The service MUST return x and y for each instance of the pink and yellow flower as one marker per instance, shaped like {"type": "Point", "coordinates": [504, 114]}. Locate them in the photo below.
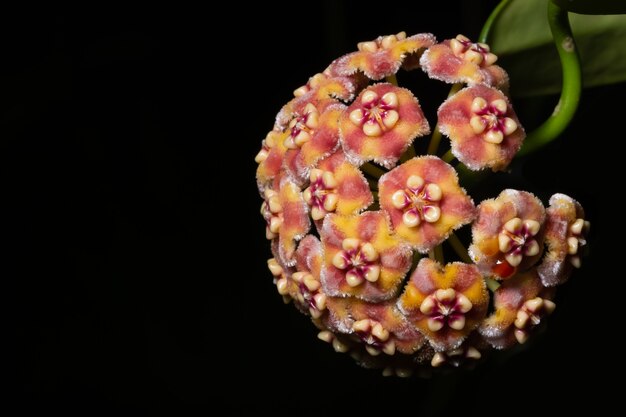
{"type": "Point", "coordinates": [306, 288]}
{"type": "Point", "coordinates": [310, 137]}
{"type": "Point", "coordinates": [566, 230]}
{"type": "Point", "coordinates": [384, 56]}
{"type": "Point", "coordinates": [270, 158]}
{"type": "Point", "coordinates": [483, 129]}
{"type": "Point", "coordinates": [520, 305]}
{"type": "Point", "coordinates": [507, 236]}
{"type": "Point", "coordinates": [286, 216]}
{"type": "Point", "coordinates": [380, 326]}
{"type": "Point", "coordinates": [336, 186]}
{"type": "Point", "coordinates": [459, 60]}
{"type": "Point", "coordinates": [381, 123]}
{"type": "Point", "coordinates": [361, 257]}
{"type": "Point", "coordinates": [424, 201]}
{"type": "Point", "coordinates": [324, 85]}
{"type": "Point", "coordinates": [445, 303]}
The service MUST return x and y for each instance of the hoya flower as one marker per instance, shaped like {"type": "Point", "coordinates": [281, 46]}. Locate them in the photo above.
{"type": "Point", "coordinates": [566, 230]}
{"type": "Point", "coordinates": [286, 217]}
{"type": "Point", "coordinates": [521, 304]}
{"type": "Point", "coordinates": [311, 136]}
{"type": "Point", "coordinates": [380, 326]}
{"type": "Point", "coordinates": [361, 257]}
{"type": "Point", "coordinates": [424, 201]}
{"type": "Point", "coordinates": [306, 289]}
{"type": "Point", "coordinates": [459, 60]}
{"type": "Point", "coordinates": [384, 56]}
{"type": "Point", "coordinates": [270, 158]}
{"type": "Point", "coordinates": [336, 186]}
{"type": "Point", "coordinates": [507, 235]}
{"type": "Point", "coordinates": [342, 156]}
{"type": "Point", "coordinates": [483, 129]}
{"type": "Point", "coordinates": [322, 90]}
{"type": "Point", "coordinates": [445, 303]}
{"type": "Point", "coordinates": [324, 85]}
{"type": "Point", "coordinates": [381, 123]}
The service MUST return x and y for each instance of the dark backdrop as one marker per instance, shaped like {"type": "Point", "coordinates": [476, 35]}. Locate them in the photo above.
{"type": "Point", "coordinates": [135, 258]}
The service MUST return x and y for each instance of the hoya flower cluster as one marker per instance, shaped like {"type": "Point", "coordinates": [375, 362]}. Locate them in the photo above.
{"type": "Point", "coordinates": [356, 218]}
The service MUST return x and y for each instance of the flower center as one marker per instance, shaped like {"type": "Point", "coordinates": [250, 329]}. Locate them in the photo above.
{"type": "Point", "coordinates": [272, 212]}
{"type": "Point", "coordinates": [302, 127]}
{"type": "Point", "coordinates": [516, 240]}
{"type": "Point", "coordinates": [477, 53]}
{"type": "Point", "coordinates": [419, 201]}
{"type": "Point", "coordinates": [376, 115]}
{"type": "Point", "coordinates": [446, 307]}
{"type": "Point", "coordinates": [576, 239]}
{"type": "Point", "coordinates": [384, 42]}
{"type": "Point", "coordinates": [375, 336]}
{"type": "Point", "coordinates": [321, 195]}
{"type": "Point", "coordinates": [309, 293]}
{"type": "Point", "coordinates": [489, 119]}
{"type": "Point", "coordinates": [359, 260]}
{"type": "Point", "coordinates": [530, 315]}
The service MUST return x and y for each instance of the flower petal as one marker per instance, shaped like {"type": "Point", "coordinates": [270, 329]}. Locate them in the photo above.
{"type": "Point", "coordinates": [270, 159]}
{"type": "Point", "coordinates": [462, 293]}
{"type": "Point", "coordinates": [500, 327]}
{"type": "Point", "coordinates": [490, 229]}
{"type": "Point", "coordinates": [381, 123]}
{"type": "Point", "coordinates": [481, 134]}
{"type": "Point", "coordinates": [336, 186]}
{"type": "Point", "coordinates": [442, 63]}
{"type": "Point", "coordinates": [565, 236]}
{"type": "Point", "coordinates": [454, 206]}
{"type": "Point", "coordinates": [345, 312]}
{"type": "Point", "coordinates": [295, 223]}
{"type": "Point", "coordinates": [348, 237]}
{"type": "Point", "coordinates": [383, 57]}
{"type": "Point", "coordinates": [324, 140]}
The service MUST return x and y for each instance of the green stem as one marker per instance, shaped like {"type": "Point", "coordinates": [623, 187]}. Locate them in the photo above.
{"type": "Point", "coordinates": [436, 137]}
{"type": "Point", "coordinates": [436, 254]}
{"type": "Point", "coordinates": [459, 248]}
{"type": "Point", "coordinates": [492, 284]}
{"type": "Point", "coordinates": [484, 33]}
{"type": "Point", "coordinates": [392, 79]}
{"type": "Point", "coordinates": [448, 156]}
{"type": "Point", "coordinates": [572, 83]}
{"type": "Point", "coordinates": [372, 170]}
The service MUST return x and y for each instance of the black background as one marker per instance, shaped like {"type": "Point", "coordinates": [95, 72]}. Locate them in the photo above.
{"type": "Point", "coordinates": [135, 255]}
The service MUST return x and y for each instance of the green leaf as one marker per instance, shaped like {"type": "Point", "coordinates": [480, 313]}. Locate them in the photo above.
{"type": "Point", "coordinates": [593, 6]}
{"type": "Point", "coordinates": [522, 40]}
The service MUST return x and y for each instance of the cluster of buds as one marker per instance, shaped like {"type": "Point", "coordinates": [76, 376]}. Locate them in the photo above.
{"type": "Point", "coordinates": [357, 211]}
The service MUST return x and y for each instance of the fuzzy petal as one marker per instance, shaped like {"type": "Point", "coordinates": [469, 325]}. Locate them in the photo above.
{"type": "Point", "coordinates": [324, 141]}
{"type": "Point", "coordinates": [345, 312]}
{"type": "Point", "coordinates": [487, 231]}
{"type": "Point", "coordinates": [455, 207]}
{"type": "Point", "coordinates": [565, 238]}
{"type": "Point", "coordinates": [499, 328]}
{"type": "Point", "coordinates": [392, 261]}
{"type": "Point", "coordinates": [428, 279]}
{"type": "Point", "coordinates": [270, 159]}
{"type": "Point", "coordinates": [295, 222]}
{"type": "Point", "coordinates": [325, 85]}
{"type": "Point", "coordinates": [336, 186]}
{"type": "Point", "coordinates": [460, 120]}
{"type": "Point", "coordinates": [384, 56]}
{"type": "Point", "coordinates": [441, 63]}
{"type": "Point", "coordinates": [375, 128]}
